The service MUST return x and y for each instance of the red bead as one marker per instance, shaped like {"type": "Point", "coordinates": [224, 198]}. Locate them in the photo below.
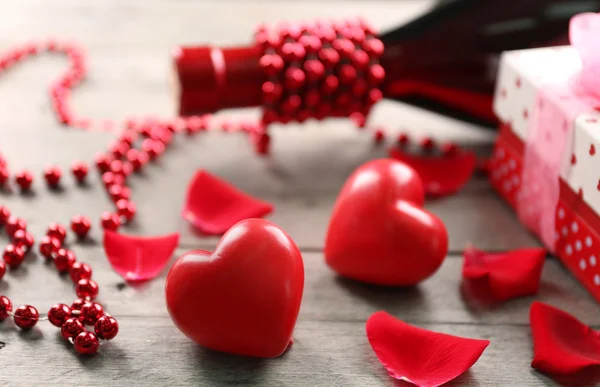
{"type": "Point", "coordinates": [52, 175]}
{"type": "Point", "coordinates": [311, 44]}
{"type": "Point", "coordinates": [14, 224]}
{"type": "Point", "coordinates": [271, 91]}
{"type": "Point", "coordinates": [118, 192]}
{"type": "Point", "coordinates": [329, 57]}
{"type": "Point", "coordinates": [427, 143]}
{"type": "Point", "coordinates": [103, 161]}
{"type": "Point", "coordinates": [110, 221]}
{"type": "Point", "coordinates": [80, 225]}
{"type": "Point", "coordinates": [149, 146]}
{"type": "Point", "coordinates": [86, 289]}
{"type": "Point", "coordinates": [271, 64]}
{"type": "Point", "coordinates": [49, 246]}
{"type": "Point", "coordinates": [314, 70]}
{"type": "Point", "coordinates": [116, 167]}
{"type": "Point", "coordinates": [79, 170]}
{"type": "Point", "coordinates": [23, 239]}
{"type": "Point", "coordinates": [58, 314]}
{"type": "Point", "coordinates": [360, 59]}
{"type": "Point", "coordinates": [379, 136]}
{"type": "Point", "coordinates": [2, 269]}
{"type": "Point", "coordinates": [449, 149]}
{"type": "Point", "coordinates": [109, 179]}
{"type": "Point", "coordinates": [26, 316]}
{"type": "Point", "coordinates": [403, 139]}
{"type": "Point", "coordinates": [294, 77]}
{"type": "Point", "coordinates": [71, 328]}
{"type": "Point", "coordinates": [90, 313]}
{"type": "Point", "coordinates": [119, 149]}
{"type": "Point", "coordinates": [330, 84]}
{"type": "Point", "coordinates": [312, 98]}
{"type": "Point", "coordinates": [4, 175]}
{"type": "Point", "coordinates": [13, 256]}
{"type": "Point", "coordinates": [5, 307]}
{"type": "Point", "coordinates": [80, 271]}
{"type": "Point", "coordinates": [374, 96]}
{"type": "Point", "coordinates": [347, 74]}
{"type": "Point", "coordinates": [106, 328]}
{"type": "Point", "coordinates": [292, 52]}
{"type": "Point", "coordinates": [126, 209]}
{"type": "Point", "coordinates": [57, 231]}
{"type": "Point", "coordinates": [64, 260]}
{"type": "Point", "coordinates": [4, 215]}
{"type": "Point", "coordinates": [127, 168]}
{"type": "Point", "coordinates": [78, 303]}
{"type": "Point", "coordinates": [137, 159]}
{"type": "Point", "coordinates": [24, 180]}
{"type": "Point", "coordinates": [376, 74]}
{"type": "Point", "coordinates": [373, 47]}
{"type": "Point", "coordinates": [86, 343]}
{"type": "Point", "coordinates": [344, 47]}
{"type": "Point", "coordinates": [128, 138]}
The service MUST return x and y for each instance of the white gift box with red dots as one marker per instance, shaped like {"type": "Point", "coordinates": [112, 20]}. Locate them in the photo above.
{"type": "Point", "coordinates": [521, 76]}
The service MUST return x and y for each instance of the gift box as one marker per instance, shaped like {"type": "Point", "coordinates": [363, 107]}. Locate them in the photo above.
{"type": "Point", "coordinates": [546, 160]}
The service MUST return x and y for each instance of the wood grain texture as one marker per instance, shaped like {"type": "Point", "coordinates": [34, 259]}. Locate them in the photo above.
{"type": "Point", "coordinates": [129, 44]}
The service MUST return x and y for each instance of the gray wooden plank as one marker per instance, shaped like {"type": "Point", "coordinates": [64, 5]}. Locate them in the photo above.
{"type": "Point", "coordinates": [327, 297]}
{"type": "Point", "coordinates": [150, 351]}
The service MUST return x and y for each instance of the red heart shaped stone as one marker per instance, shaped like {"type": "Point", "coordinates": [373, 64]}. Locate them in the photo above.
{"type": "Point", "coordinates": [379, 233]}
{"type": "Point", "coordinates": [243, 298]}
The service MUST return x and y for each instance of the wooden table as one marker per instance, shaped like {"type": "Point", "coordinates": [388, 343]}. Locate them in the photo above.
{"type": "Point", "coordinates": [129, 43]}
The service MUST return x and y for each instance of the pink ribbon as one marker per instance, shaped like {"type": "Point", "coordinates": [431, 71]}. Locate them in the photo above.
{"type": "Point", "coordinates": [550, 131]}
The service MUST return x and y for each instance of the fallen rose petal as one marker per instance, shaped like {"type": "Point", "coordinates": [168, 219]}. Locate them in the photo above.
{"type": "Point", "coordinates": [213, 205]}
{"type": "Point", "coordinates": [562, 345]}
{"type": "Point", "coordinates": [441, 175]}
{"type": "Point", "coordinates": [421, 357]}
{"type": "Point", "coordinates": [503, 276]}
{"type": "Point", "coordinates": [139, 258]}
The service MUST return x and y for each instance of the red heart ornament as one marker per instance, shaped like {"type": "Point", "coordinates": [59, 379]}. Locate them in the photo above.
{"type": "Point", "coordinates": [379, 233]}
{"type": "Point", "coordinates": [243, 298]}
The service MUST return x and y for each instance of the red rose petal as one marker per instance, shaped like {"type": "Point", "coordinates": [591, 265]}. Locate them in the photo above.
{"type": "Point", "coordinates": [503, 276]}
{"type": "Point", "coordinates": [562, 345]}
{"type": "Point", "coordinates": [213, 205]}
{"type": "Point", "coordinates": [441, 175]}
{"type": "Point", "coordinates": [419, 356]}
{"type": "Point", "coordinates": [139, 258]}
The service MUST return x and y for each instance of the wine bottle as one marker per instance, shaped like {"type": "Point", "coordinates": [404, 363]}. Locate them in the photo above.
{"type": "Point", "coordinates": [444, 61]}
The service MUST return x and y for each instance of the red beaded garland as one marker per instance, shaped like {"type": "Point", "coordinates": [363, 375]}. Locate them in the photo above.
{"type": "Point", "coordinates": [58, 314]}
{"type": "Point", "coordinates": [26, 316]}
{"type": "Point", "coordinates": [86, 343]}
{"type": "Point", "coordinates": [106, 327]}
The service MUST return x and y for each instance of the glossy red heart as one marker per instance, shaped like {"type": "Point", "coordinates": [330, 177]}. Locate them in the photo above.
{"type": "Point", "coordinates": [243, 298]}
{"type": "Point", "coordinates": [379, 233]}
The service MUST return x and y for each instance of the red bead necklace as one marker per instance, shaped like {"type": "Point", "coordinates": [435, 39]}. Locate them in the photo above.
{"type": "Point", "coordinates": [138, 143]}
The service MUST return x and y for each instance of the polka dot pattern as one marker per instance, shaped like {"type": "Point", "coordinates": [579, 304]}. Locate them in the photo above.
{"type": "Point", "coordinates": [576, 243]}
